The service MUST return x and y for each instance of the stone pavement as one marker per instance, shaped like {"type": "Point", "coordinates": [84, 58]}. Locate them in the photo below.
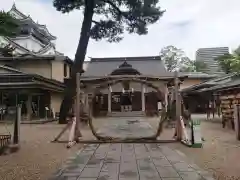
{"type": "Point", "coordinates": [132, 127]}
{"type": "Point", "coordinates": [129, 162]}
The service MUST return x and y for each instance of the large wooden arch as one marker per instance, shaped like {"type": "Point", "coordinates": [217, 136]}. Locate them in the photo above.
{"type": "Point", "coordinates": [105, 84]}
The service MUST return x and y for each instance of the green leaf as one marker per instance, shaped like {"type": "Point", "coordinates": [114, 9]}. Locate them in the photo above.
{"type": "Point", "coordinates": [113, 17]}
{"type": "Point", "coordinates": [8, 25]}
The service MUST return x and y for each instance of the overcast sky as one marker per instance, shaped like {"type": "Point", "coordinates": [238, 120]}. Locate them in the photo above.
{"type": "Point", "coordinates": [187, 24]}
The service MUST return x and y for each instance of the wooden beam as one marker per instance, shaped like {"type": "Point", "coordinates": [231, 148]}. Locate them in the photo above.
{"type": "Point", "coordinates": [178, 106]}
{"type": "Point", "coordinates": [77, 99]}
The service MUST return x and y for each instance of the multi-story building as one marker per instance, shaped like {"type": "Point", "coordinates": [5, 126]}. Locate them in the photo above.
{"type": "Point", "coordinates": [208, 56]}
{"type": "Point", "coordinates": [34, 74]}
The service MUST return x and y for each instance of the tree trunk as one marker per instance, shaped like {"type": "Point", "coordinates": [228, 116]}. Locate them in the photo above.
{"type": "Point", "coordinates": [70, 90]}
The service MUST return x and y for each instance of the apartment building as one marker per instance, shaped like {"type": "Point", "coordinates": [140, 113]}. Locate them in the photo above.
{"type": "Point", "coordinates": [208, 56]}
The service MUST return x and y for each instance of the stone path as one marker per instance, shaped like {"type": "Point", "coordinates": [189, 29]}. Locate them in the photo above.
{"type": "Point", "coordinates": [129, 162]}
{"type": "Point", "coordinates": [133, 127]}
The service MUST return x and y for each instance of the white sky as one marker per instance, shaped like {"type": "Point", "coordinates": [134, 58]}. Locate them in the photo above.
{"type": "Point", "coordinates": [187, 24]}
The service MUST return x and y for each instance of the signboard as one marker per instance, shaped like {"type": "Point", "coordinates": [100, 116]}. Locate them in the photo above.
{"type": "Point", "coordinates": [197, 136]}
{"type": "Point", "coordinates": [236, 120]}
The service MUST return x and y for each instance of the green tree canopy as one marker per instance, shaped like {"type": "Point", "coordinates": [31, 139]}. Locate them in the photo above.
{"type": "Point", "coordinates": [8, 25]}
{"type": "Point", "coordinates": [105, 19]}
{"type": "Point", "coordinates": [230, 63]}
{"type": "Point", "coordinates": [176, 60]}
{"type": "Point", "coordinates": [172, 57]}
{"type": "Point", "coordinates": [192, 66]}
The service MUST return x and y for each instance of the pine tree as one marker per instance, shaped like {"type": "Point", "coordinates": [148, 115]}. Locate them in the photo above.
{"type": "Point", "coordinates": [8, 28]}
{"type": "Point", "coordinates": [105, 19]}
{"type": "Point", "coordinates": [8, 25]}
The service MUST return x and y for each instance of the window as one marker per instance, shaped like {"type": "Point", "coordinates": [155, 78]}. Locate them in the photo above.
{"type": "Point", "coordinates": [65, 70]}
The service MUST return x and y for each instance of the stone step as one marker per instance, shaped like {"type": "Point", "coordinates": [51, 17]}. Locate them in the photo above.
{"type": "Point", "coordinates": [126, 114]}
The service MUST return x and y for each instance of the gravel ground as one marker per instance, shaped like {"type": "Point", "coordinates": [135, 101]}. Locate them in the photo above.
{"type": "Point", "coordinates": [220, 153]}
{"type": "Point", "coordinates": [38, 158]}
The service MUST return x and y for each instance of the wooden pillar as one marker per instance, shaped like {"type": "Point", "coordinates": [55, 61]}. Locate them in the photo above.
{"type": "Point", "coordinates": [109, 100]}
{"type": "Point", "coordinates": [77, 104]}
{"type": "Point", "coordinates": [166, 96]}
{"type": "Point", "coordinates": [29, 107]}
{"type": "Point", "coordinates": [38, 104]}
{"type": "Point", "coordinates": [143, 97]}
{"type": "Point", "coordinates": [16, 131]}
{"type": "Point", "coordinates": [87, 103]}
{"type": "Point", "coordinates": [178, 106]}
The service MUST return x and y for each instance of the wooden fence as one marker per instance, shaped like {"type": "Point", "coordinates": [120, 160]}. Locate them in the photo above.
{"type": "Point", "coordinates": [4, 141]}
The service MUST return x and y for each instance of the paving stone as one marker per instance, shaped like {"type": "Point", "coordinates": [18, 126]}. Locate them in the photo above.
{"type": "Point", "coordinates": [161, 162]}
{"type": "Point", "coordinates": [67, 178]}
{"type": "Point", "coordinates": [128, 161]}
{"type": "Point", "coordinates": [147, 175]}
{"type": "Point", "coordinates": [71, 174]}
{"type": "Point", "coordinates": [94, 162]}
{"type": "Point", "coordinates": [167, 172]}
{"type": "Point", "coordinates": [175, 159]}
{"type": "Point", "coordinates": [132, 178]}
{"type": "Point", "coordinates": [129, 174]}
{"type": "Point", "coordinates": [107, 176]}
{"type": "Point", "coordinates": [100, 156]}
{"type": "Point", "coordinates": [131, 166]}
{"type": "Point", "coordinates": [142, 156]}
{"type": "Point", "coordinates": [90, 172]}
{"type": "Point", "coordinates": [144, 165]}
{"type": "Point", "coordinates": [182, 167]}
{"type": "Point", "coordinates": [110, 168]}
{"type": "Point", "coordinates": [191, 176]}
{"type": "Point", "coordinates": [157, 155]}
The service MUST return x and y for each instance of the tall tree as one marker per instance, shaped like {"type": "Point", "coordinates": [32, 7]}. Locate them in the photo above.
{"type": "Point", "coordinates": [224, 62]}
{"type": "Point", "coordinates": [9, 28]}
{"type": "Point", "coordinates": [192, 66]}
{"type": "Point", "coordinates": [105, 19]}
{"type": "Point", "coordinates": [8, 24]}
{"type": "Point", "coordinates": [172, 57]}
{"type": "Point", "coordinates": [230, 63]}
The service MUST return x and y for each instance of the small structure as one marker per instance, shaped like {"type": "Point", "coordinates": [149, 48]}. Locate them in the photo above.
{"type": "Point", "coordinates": [219, 94]}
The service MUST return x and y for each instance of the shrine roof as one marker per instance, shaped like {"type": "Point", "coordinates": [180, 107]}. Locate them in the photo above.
{"type": "Point", "coordinates": [26, 57]}
{"type": "Point", "coordinates": [149, 65]}
{"type": "Point", "coordinates": [210, 85]}
{"type": "Point", "coordinates": [233, 83]}
{"type": "Point", "coordinates": [18, 80]}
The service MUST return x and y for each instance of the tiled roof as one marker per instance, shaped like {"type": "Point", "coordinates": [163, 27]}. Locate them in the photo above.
{"type": "Point", "coordinates": [151, 65]}
{"type": "Point", "coordinates": [233, 83]}
{"type": "Point", "coordinates": [212, 84]}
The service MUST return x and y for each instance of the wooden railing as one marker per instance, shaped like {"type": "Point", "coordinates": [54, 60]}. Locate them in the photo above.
{"type": "Point", "coordinates": [4, 141]}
